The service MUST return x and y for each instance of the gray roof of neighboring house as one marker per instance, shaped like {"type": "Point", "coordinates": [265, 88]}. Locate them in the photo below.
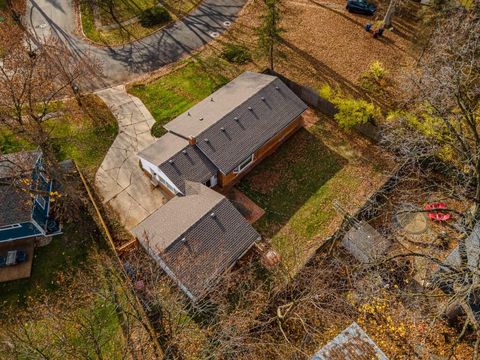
{"type": "Point", "coordinates": [16, 205]}
{"type": "Point", "coordinates": [213, 108]}
{"type": "Point", "coordinates": [18, 164]}
{"type": "Point", "coordinates": [351, 344]}
{"type": "Point", "coordinates": [198, 236]}
{"type": "Point", "coordinates": [15, 202]}
{"type": "Point", "coordinates": [472, 250]}
{"type": "Point", "coordinates": [243, 116]}
{"type": "Point", "coordinates": [365, 243]}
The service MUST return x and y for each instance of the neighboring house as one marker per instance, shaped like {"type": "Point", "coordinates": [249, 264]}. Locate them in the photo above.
{"type": "Point", "coordinates": [25, 198]}
{"type": "Point", "coordinates": [199, 234]}
{"type": "Point", "coordinates": [466, 255]}
{"type": "Point", "coordinates": [353, 343]}
{"type": "Point", "coordinates": [196, 237]}
{"type": "Point", "coordinates": [218, 140]}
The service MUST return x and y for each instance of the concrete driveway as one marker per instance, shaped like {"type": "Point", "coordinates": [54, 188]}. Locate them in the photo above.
{"type": "Point", "coordinates": [124, 63]}
{"type": "Point", "coordinates": [119, 181]}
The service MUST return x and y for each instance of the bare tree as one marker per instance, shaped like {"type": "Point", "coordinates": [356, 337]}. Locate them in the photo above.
{"type": "Point", "coordinates": [36, 76]}
{"type": "Point", "coordinates": [445, 102]}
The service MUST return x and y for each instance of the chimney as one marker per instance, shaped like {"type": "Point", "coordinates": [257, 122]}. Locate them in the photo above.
{"type": "Point", "coordinates": [192, 140]}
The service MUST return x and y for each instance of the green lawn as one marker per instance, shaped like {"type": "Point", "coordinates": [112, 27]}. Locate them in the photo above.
{"type": "Point", "coordinates": [71, 273]}
{"type": "Point", "coordinates": [66, 252]}
{"type": "Point", "coordinates": [297, 185]}
{"type": "Point", "coordinates": [119, 10]}
{"type": "Point", "coordinates": [85, 138]}
{"type": "Point", "coordinates": [175, 93]}
{"type": "Point", "coordinates": [114, 12]}
{"type": "Point", "coordinates": [68, 273]}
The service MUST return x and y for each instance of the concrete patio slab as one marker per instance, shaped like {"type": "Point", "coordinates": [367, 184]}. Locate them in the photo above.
{"type": "Point", "coordinates": [129, 211]}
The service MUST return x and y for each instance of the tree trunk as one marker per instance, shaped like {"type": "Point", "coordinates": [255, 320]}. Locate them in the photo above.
{"type": "Point", "coordinates": [476, 216]}
{"type": "Point", "coordinates": [270, 55]}
{"type": "Point", "coordinates": [387, 20]}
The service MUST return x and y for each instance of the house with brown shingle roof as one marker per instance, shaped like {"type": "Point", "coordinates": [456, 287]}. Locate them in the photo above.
{"type": "Point", "coordinates": [196, 237]}
{"type": "Point", "coordinates": [219, 139]}
{"type": "Point", "coordinates": [199, 234]}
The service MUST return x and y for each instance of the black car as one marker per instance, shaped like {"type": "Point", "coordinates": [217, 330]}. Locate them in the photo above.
{"type": "Point", "coordinates": [361, 7]}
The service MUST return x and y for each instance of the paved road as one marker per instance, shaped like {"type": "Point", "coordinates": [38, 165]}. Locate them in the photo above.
{"type": "Point", "coordinates": [119, 181]}
{"type": "Point", "coordinates": [124, 63]}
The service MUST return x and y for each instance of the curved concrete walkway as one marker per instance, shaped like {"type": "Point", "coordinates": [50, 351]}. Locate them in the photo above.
{"type": "Point", "coordinates": [119, 181]}
{"type": "Point", "coordinates": [124, 63]}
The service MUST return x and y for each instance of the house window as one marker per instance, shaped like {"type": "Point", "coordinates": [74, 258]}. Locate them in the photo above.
{"type": "Point", "coordinates": [41, 201]}
{"type": "Point", "coordinates": [8, 227]}
{"type": "Point", "coordinates": [170, 187]}
{"type": "Point", "coordinates": [244, 164]}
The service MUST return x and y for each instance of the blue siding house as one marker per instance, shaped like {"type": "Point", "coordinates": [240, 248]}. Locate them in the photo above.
{"type": "Point", "coordinates": [25, 190]}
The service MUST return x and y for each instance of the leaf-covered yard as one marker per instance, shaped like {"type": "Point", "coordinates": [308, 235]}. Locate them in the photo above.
{"type": "Point", "coordinates": [297, 185]}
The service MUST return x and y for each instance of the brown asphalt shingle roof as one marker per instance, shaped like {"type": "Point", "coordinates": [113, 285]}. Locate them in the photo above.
{"type": "Point", "coordinates": [163, 149]}
{"type": "Point", "coordinates": [213, 108]}
{"type": "Point", "coordinates": [210, 247]}
{"type": "Point", "coordinates": [170, 221]}
{"type": "Point", "coordinates": [238, 119]}
{"type": "Point", "coordinates": [188, 165]}
{"type": "Point", "coordinates": [196, 245]}
{"type": "Point", "coordinates": [179, 160]}
{"type": "Point", "coordinates": [251, 125]}
{"type": "Point", "coordinates": [18, 164]}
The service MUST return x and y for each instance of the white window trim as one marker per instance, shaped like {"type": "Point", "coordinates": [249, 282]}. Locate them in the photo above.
{"type": "Point", "coordinates": [243, 165]}
{"type": "Point", "coordinates": [9, 227]}
{"type": "Point", "coordinates": [44, 178]}
{"type": "Point", "coordinates": [39, 202]}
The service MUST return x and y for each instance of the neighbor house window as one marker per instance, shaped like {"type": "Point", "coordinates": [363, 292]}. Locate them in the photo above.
{"type": "Point", "coordinates": [41, 201]}
{"type": "Point", "coordinates": [8, 227]}
{"type": "Point", "coordinates": [244, 164]}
